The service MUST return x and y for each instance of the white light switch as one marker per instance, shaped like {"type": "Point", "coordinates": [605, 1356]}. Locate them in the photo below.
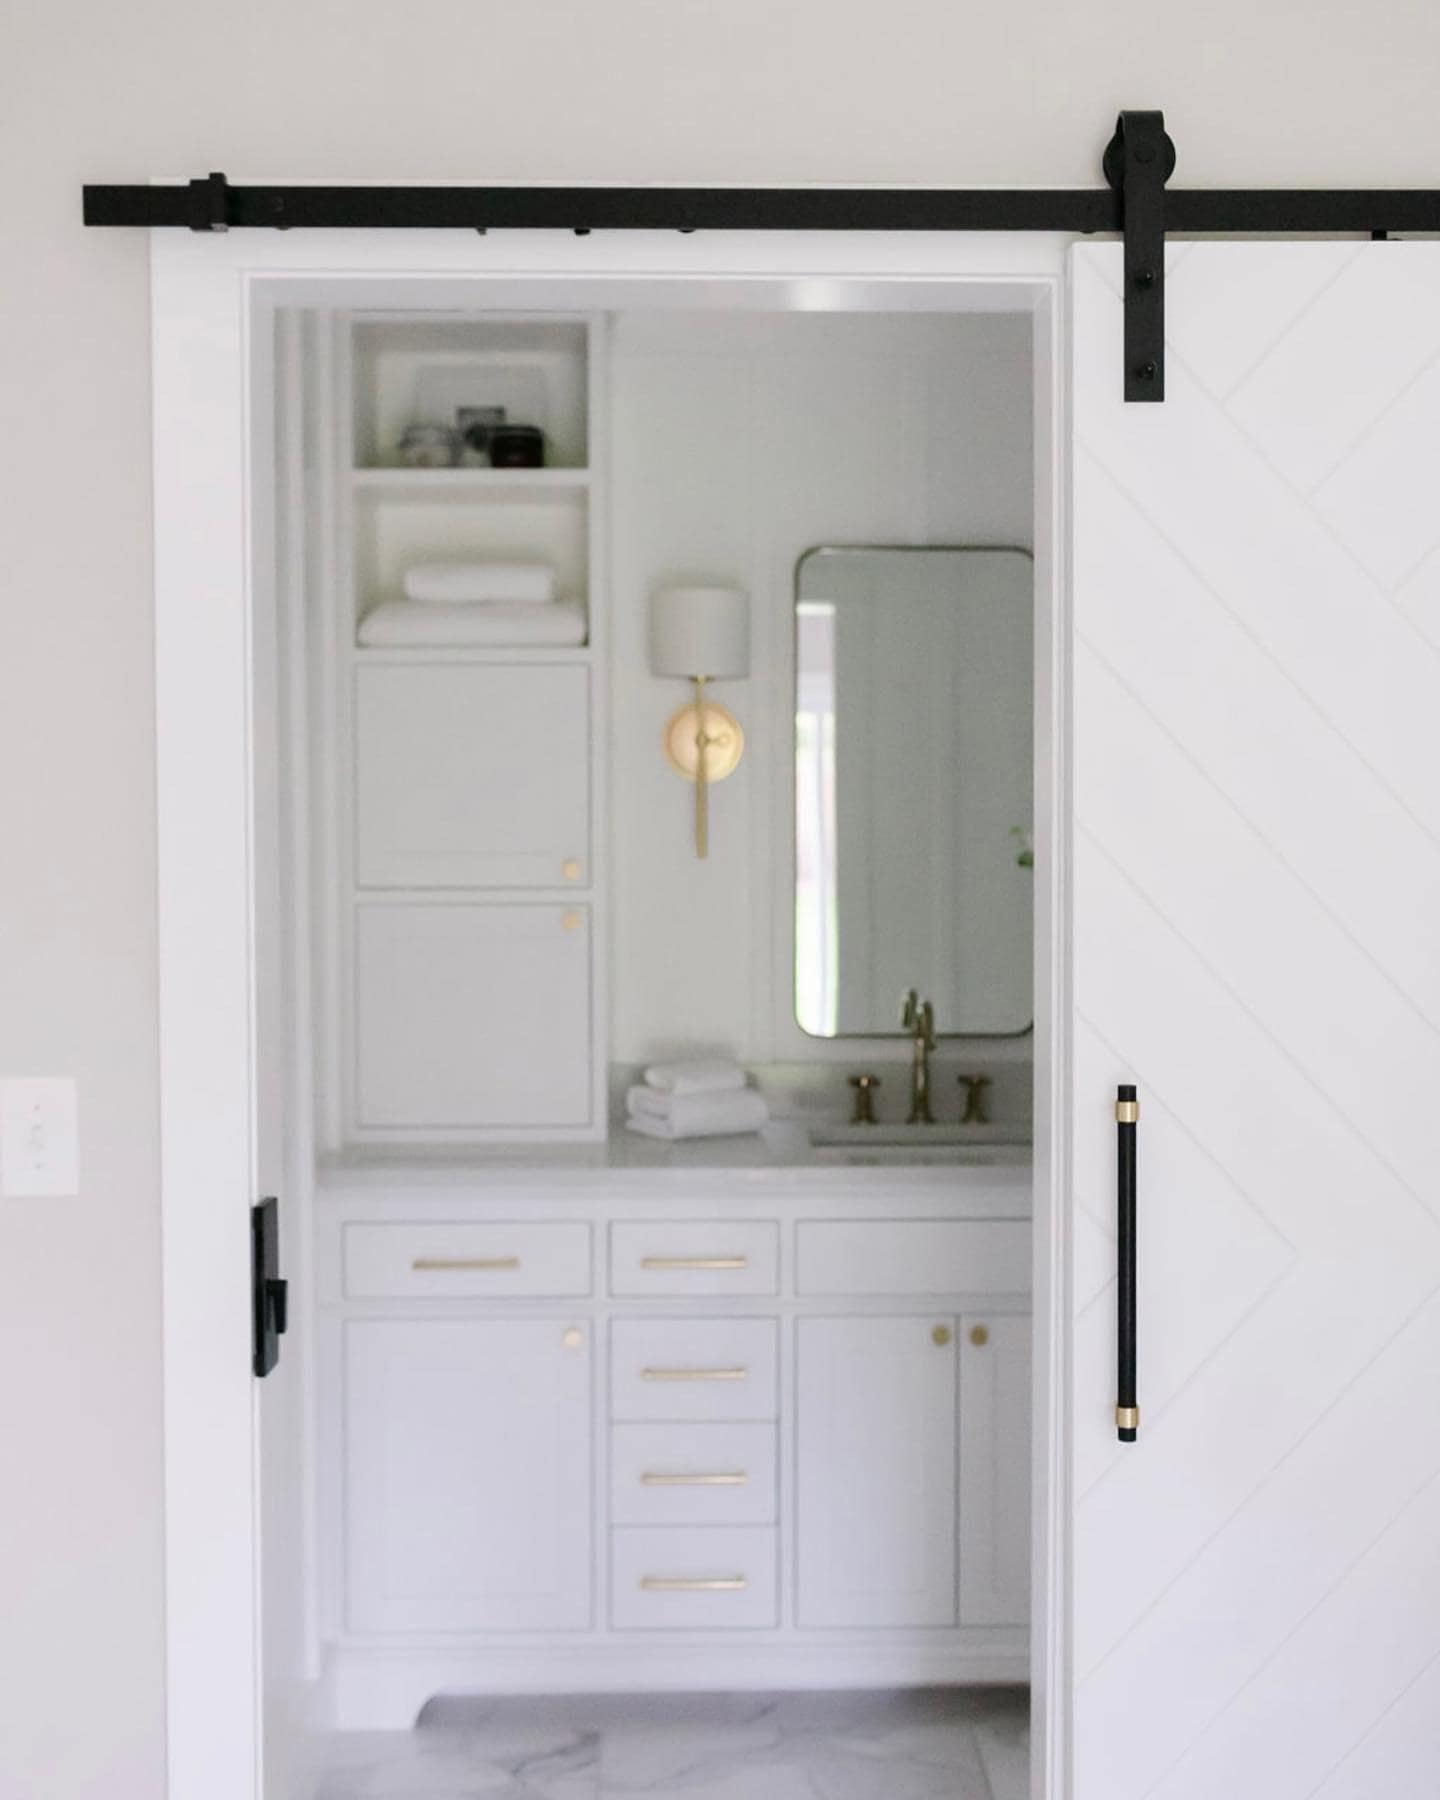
{"type": "Point", "coordinates": [39, 1137]}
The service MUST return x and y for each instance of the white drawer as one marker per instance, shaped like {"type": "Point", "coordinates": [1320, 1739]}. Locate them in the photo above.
{"type": "Point", "coordinates": [712, 1578]}
{"type": "Point", "coordinates": [692, 1475]}
{"type": "Point", "coordinates": [913, 1256]}
{"type": "Point", "coordinates": [696, 1369]}
{"type": "Point", "coordinates": [466, 1261]}
{"type": "Point", "coordinates": [706, 1259]}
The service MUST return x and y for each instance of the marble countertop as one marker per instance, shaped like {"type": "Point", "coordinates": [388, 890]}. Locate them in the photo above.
{"type": "Point", "coordinates": [779, 1157]}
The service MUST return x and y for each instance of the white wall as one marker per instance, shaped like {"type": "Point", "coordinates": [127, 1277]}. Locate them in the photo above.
{"type": "Point", "coordinates": [740, 442]}
{"type": "Point", "coordinates": [1306, 91]}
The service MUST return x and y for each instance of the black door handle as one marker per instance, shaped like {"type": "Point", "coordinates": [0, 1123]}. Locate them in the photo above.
{"type": "Point", "coordinates": [269, 1295]}
{"type": "Point", "coordinates": [1127, 1409]}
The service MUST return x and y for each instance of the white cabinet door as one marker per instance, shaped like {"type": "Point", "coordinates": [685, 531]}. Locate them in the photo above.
{"type": "Point", "coordinates": [995, 1470]}
{"type": "Point", "coordinates": [472, 1017]}
{"type": "Point", "coordinates": [467, 1475]}
{"type": "Point", "coordinates": [1256, 944]}
{"type": "Point", "coordinates": [471, 776]}
{"type": "Point", "coordinates": [875, 1418]}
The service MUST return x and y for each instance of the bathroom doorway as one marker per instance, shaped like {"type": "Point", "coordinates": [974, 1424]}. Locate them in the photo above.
{"type": "Point", "coordinates": [333, 1645]}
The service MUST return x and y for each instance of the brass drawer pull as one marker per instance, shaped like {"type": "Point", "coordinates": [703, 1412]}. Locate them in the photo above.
{"type": "Point", "coordinates": [729, 1478]}
{"type": "Point", "coordinates": [694, 1374]}
{"type": "Point", "coordinates": [695, 1262]}
{"type": "Point", "coordinates": [700, 1584]}
{"type": "Point", "coordinates": [430, 1264]}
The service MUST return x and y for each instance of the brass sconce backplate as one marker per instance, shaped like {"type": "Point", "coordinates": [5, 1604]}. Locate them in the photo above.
{"type": "Point", "coordinates": [725, 741]}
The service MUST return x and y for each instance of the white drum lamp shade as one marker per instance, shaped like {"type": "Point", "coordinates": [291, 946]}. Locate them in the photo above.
{"type": "Point", "coordinates": [700, 632]}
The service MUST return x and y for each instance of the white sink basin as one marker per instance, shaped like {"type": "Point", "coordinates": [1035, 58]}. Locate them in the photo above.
{"type": "Point", "coordinates": [949, 1156]}
{"type": "Point", "coordinates": [975, 1146]}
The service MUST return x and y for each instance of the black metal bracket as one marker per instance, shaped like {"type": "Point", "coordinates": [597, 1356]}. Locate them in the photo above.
{"type": "Point", "coordinates": [269, 1295]}
{"type": "Point", "coordinates": [1139, 160]}
{"type": "Point", "coordinates": [210, 204]}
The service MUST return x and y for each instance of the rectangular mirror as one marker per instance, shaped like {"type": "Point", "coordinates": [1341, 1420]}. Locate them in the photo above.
{"type": "Point", "coordinates": [913, 789]}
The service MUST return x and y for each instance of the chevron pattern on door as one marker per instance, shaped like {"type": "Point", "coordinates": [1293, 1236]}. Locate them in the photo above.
{"type": "Point", "coordinates": [1257, 945]}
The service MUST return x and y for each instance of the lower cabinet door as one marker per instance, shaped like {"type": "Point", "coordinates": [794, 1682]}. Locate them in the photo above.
{"type": "Point", "coordinates": [994, 1470]}
{"type": "Point", "coordinates": [467, 1475]}
{"type": "Point", "coordinates": [876, 1415]}
{"type": "Point", "coordinates": [472, 1017]}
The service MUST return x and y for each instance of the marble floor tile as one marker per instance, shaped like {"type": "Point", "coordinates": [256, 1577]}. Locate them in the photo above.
{"type": "Point", "coordinates": [503, 1762]}
{"type": "Point", "coordinates": [932, 1744]}
{"type": "Point", "coordinates": [1004, 1740]}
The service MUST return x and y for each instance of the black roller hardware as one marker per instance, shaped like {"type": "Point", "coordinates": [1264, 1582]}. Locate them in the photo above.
{"type": "Point", "coordinates": [1139, 161]}
{"type": "Point", "coordinates": [1135, 201]}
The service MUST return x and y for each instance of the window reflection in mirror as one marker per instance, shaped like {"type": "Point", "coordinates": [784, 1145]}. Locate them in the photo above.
{"type": "Point", "coordinates": [913, 789]}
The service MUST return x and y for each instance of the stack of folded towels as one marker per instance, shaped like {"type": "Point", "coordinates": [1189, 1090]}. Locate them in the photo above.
{"type": "Point", "coordinates": [502, 604]}
{"type": "Point", "coordinates": [695, 1100]}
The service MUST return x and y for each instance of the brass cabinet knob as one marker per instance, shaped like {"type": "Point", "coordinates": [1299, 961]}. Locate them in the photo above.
{"type": "Point", "coordinates": [941, 1336]}
{"type": "Point", "coordinates": [570, 868]}
{"type": "Point", "coordinates": [979, 1336]}
{"type": "Point", "coordinates": [976, 1108]}
{"type": "Point", "coordinates": [572, 921]}
{"type": "Point", "coordinates": [573, 1338]}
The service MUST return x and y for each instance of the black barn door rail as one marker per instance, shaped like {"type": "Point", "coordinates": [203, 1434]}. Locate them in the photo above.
{"type": "Point", "coordinates": [1136, 202]}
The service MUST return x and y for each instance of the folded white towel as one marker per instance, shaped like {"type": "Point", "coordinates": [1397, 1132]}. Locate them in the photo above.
{"type": "Point", "coordinates": [673, 1116]}
{"type": "Point", "coordinates": [502, 624]}
{"type": "Point", "coordinates": [703, 1075]}
{"type": "Point", "coordinates": [474, 581]}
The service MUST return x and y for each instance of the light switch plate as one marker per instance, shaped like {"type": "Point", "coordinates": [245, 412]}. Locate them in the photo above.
{"type": "Point", "coordinates": [39, 1137]}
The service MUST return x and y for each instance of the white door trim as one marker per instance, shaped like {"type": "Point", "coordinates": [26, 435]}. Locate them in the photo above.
{"type": "Point", "coordinates": [211, 300]}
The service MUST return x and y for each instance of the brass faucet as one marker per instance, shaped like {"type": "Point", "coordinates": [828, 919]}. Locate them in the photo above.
{"type": "Point", "coordinates": [917, 1016]}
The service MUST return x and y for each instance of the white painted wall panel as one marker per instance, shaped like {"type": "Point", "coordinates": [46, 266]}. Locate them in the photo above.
{"type": "Point", "coordinates": [741, 442]}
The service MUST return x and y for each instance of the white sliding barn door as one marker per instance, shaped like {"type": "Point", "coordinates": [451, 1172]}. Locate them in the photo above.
{"type": "Point", "coordinates": [1257, 946]}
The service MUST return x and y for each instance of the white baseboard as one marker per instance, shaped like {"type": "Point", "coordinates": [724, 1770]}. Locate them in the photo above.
{"type": "Point", "coordinates": [368, 1689]}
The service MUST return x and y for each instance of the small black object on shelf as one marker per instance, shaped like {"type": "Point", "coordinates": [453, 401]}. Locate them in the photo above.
{"type": "Point", "coordinates": [517, 447]}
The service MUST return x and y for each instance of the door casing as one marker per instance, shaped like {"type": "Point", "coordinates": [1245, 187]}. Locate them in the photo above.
{"type": "Point", "coordinates": [215, 306]}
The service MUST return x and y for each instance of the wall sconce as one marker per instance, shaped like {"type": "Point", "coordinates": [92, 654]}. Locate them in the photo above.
{"type": "Point", "coordinates": [701, 634]}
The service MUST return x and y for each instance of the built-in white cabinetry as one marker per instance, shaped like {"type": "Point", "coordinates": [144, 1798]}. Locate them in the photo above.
{"type": "Point", "coordinates": [472, 776]}
{"type": "Point", "coordinates": [995, 1456]}
{"type": "Point", "coordinates": [695, 1257]}
{"type": "Point", "coordinates": [708, 1579]}
{"type": "Point", "coordinates": [695, 1367]}
{"type": "Point", "coordinates": [467, 1474]}
{"type": "Point", "coordinates": [762, 1486]}
{"type": "Point", "coordinates": [877, 1410]}
{"type": "Point", "coordinates": [439, 986]}
{"type": "Point", "coordinates": [460, 788]}
{"type": "Point", "coordinates": [686, 1473]}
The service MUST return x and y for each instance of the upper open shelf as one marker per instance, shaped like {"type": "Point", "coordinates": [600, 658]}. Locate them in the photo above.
{"type": "Point", "coordinates": [453, 370]}
{"type": "Point", "coordinates": [400, 484]}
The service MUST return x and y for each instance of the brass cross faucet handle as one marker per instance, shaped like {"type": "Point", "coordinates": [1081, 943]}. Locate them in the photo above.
{"type": "Point", "coordinates": [976, 1112]}
{"type": "Point", "coordinates": [917, 1016]}
{"type": "Point", "coordinates": [864, 1086]}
